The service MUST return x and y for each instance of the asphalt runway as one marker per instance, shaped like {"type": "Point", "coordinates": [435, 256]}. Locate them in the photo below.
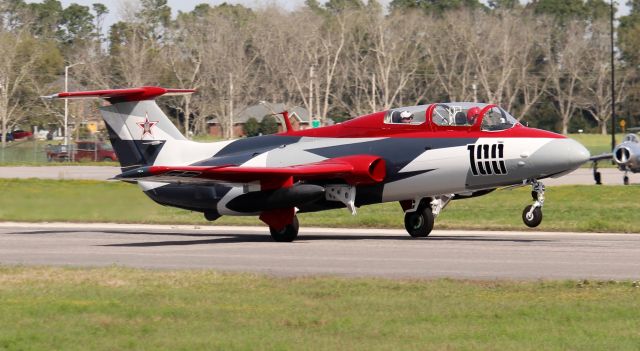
{"type": "Point", "coordinates": [342, 252]}
{"type": "Point", "coordinates": [582, 176]}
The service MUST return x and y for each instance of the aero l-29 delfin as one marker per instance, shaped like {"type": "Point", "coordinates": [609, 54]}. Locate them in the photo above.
{"type": "Point", "coordinates": [626, 156]}
{"type": "Point", "coordinates": [421, 156]}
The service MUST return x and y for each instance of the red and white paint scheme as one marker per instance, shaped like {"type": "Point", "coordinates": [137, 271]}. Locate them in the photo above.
{"type": "Point", "coordinates": [420, 156]}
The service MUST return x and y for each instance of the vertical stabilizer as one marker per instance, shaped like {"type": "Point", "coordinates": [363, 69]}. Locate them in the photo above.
{"type": "Point", "coordinates": [137, 127]}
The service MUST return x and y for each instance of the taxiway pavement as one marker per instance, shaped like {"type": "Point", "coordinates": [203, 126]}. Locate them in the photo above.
{"type": "Point", "coordinates": [582, 176]}
{"type": "Point", "coordinates": [321, 251]}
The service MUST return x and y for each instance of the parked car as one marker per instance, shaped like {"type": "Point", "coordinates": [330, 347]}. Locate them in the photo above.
{"type": "Point", "coordinates": [88, 150]}
{"type": "Point", "coordinates": [21, 134]}
{"type": "Point", "coordinates": [9, 137]}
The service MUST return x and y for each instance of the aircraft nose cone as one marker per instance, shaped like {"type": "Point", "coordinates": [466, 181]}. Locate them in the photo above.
{"type": "Point", "coordinates": [558, 157]}
{"type": "Point", "coordinates": [576, 153]}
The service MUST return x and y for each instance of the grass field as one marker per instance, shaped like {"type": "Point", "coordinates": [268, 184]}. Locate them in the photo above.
{"type": "Point", "coordinates": [596, 143]}
{"type": "Point", "coordinates": [567, 208]}
{"type": "Point", "coordinates": [118, 309]}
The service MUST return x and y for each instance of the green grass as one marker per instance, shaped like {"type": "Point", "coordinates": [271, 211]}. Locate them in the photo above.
{"type": "Point", "coordinates": [117, 309]}
{"type": "Point", "coordinates": [567, 208]}
{"type": "Point", "coordinates": [596, 143]}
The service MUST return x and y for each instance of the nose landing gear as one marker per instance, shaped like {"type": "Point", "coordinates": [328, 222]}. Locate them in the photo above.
{"type": "Point", "coordinates": [532, 214]}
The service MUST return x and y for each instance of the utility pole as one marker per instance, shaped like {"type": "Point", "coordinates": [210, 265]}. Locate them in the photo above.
{"type": "Point", "coordinates": [613, 82]}
{"type": "Point", "coordinates": [319, 111]}
{"type": "Point", "coordinates": [311, 75]}
{"type": "Point", "coordinates": [230, 106]}
{"type": "Point", "coordinates": [66, 102]}
{"type": "Point", "coordinates": [373, 92]}
{"type": "Point", "coordinates": [474, 86]}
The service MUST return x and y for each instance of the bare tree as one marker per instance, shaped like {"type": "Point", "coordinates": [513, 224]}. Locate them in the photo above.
{"type": "Point", "coordinates": [184, 56]}
{"type": "Point", "coordinates": [224, 60]}
{"type": "Point", "coordinates": [450, 62]}
{"type": "Point", "coordinates": [395, 59]}
{"type": "Point", "coordinates": [566, 65]}
{"type": "Point", "coordinates": [20, 54]}
{"type": "Point", "coordinates": [596, 79]}
{"type": "Point", "coordinates": [504, 58]}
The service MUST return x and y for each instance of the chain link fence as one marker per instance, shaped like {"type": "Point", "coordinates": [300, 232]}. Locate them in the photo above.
{"type": "Point", "coordinates": [41, 152]}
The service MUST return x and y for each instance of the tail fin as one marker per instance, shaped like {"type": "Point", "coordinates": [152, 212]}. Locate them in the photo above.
{"type": "Point", "coordinates": [137, 127]}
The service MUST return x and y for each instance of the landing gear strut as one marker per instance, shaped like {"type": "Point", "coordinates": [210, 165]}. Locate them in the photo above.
{"type": "Point", "coordinates": [596, 175]}
{"type": "Point", "coordinates": [420, 214]}
{"type": "Point", "coordinates": [625, 179]}
{"type": "Point", "coordinates": [532, 214]}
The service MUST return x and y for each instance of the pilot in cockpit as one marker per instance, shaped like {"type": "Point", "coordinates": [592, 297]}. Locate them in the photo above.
{"type": "Point", "coordinates": [472, 115]}
{"type": "Point", "coordinates": [406, 117]}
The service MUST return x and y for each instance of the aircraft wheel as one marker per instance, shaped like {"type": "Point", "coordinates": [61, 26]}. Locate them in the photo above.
{"type": "Point", "coordinates": [534, 219]}
{"type": "Point", "coordinates": [419, 223]}
{"type": "Point", "coordinates": [287, 234]}
{"type": "Point", "coordinates": [625, 180]}
{"type": "Point", "coordinates": [597, 177]}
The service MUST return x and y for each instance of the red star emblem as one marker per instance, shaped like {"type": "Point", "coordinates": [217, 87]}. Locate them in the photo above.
{"type": "Point", "coordinates": [146, 126]}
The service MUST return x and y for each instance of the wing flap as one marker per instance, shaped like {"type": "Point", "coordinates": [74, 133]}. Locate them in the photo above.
{"type": "Point", "coordinates": [355, 170]}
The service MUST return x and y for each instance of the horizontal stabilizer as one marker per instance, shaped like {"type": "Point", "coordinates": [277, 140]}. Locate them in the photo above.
{"type": "Point", "coordinates": [121, 95]}
{"type": "Point", "coordinates": [354, 170]}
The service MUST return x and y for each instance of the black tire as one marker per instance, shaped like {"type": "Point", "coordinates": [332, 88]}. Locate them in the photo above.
{"type": "Point", "coordinates": [536, 217]}
{"type": "Point", "coordinates": [597, 177]}
{"type": "Point", "coordinates": [287, 234]}
{"type": "Point", "coordinates": [625, 180]}
{"type": "Point", "coordinates": [419, 223]}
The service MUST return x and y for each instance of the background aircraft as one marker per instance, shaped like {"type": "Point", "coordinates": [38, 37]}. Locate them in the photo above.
{"type": "Point", "coordinates": [626, 155]}
{"type": "Point", "coordinates": [421, 156]}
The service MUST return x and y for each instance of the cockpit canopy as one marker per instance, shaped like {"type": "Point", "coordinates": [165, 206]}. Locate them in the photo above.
{"type": "Point", "coordinates": [453, 115]}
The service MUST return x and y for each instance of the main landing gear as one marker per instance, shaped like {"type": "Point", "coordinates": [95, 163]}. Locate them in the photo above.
{"type": "Point", "coordinates": [288, 233]}
{"type": "Point", "coordinates": [283, 224]}
{"type": "Point", "coordinates": [420, 214]}
{"type": "Point", "coordinates": [532, 214]}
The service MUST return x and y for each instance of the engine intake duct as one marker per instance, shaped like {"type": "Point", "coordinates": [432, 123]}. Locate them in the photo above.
{"type": "Point", "coordinates": [295, 196]}
{"type": "Point", "coordinates": [626, 155]}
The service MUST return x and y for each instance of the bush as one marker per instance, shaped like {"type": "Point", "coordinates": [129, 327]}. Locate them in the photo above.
{"type": "Point", "coordinates": [251, 127]}
{"type": "Point", "coordinates": [269, 125]}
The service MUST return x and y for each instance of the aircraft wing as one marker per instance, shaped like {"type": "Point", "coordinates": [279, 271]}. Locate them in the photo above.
{"type": "Point", "coordinates": [354, 170]}
{"type": "Point", "coordinates": [605, 156]}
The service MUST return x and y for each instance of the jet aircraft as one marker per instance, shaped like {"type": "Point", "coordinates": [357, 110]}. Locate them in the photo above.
{"type": "Point", "coordinates": [420, 156]}
{"type": "Point", "coordinates": [626, 156]}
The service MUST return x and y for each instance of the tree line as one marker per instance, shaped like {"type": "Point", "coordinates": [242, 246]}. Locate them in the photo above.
{"type": "Point", "coordinates": [547, 62]}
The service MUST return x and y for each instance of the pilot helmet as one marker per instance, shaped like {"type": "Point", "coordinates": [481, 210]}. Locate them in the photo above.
{"type": "Point", "coordinates": [472, 114]}
{"type": "Point", "coordinates": [406, 114]}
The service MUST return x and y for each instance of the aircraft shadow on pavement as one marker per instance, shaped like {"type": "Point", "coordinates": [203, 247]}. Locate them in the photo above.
{"type": "Point", "coordinates": [244, 238]}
